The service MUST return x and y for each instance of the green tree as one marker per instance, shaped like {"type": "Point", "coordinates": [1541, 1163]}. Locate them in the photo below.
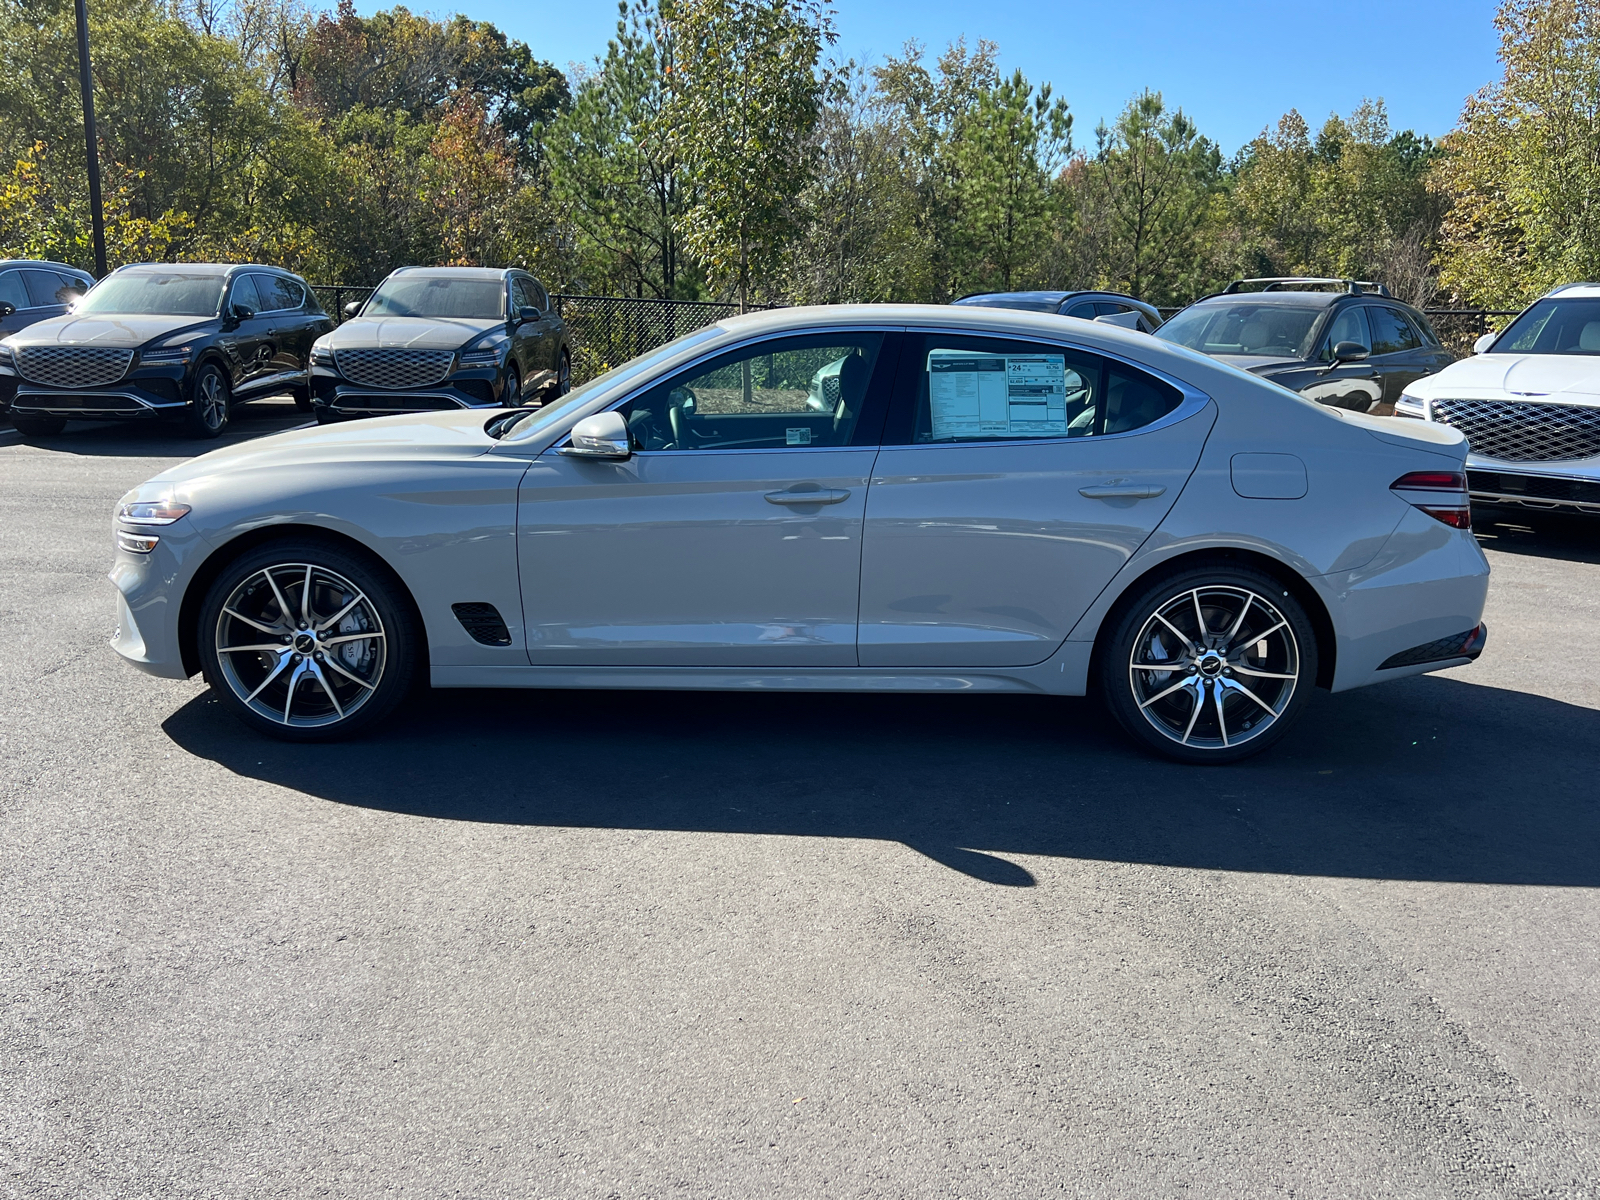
{"type": "Point", "coordinates": [741, 115]}
{"type": "Point", "coordinates": [1522, 168]}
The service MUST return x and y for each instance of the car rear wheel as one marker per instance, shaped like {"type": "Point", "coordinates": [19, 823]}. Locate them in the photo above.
{"type": "Point", "coordinates": [306, 642]}
{"type": "Point", "coordinates": [1209, 666]}
{"type": "Point", "coordinates": [207, 413]}
{"type": "Point", "coordinates": [38, 424]}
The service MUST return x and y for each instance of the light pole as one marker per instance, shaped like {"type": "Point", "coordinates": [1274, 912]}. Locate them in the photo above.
{"type": "Point", "coordinates": [96, 214]}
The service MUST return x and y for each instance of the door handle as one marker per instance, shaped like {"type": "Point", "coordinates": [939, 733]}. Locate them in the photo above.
{"type": "Point", "coordinates": [820, 496]}
{"type": "Point", "coordinates": [1122, 491]}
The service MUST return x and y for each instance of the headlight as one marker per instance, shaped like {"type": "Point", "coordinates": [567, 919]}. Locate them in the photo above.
{"type": "Point", "coordinates": [8, 362]}
{"type": "Point", "coordinates": [1411, 406]}
{"type": "Point", "coordinates": [151, 512]}
{"type": "Point", "coordinates": [321, 356]}
{"type": "Point", "coordinates": [483, 356]}
{"type": "Point", "coordinates": [166, 354]}
{"type": "Point", "coordinates": [137, 543]}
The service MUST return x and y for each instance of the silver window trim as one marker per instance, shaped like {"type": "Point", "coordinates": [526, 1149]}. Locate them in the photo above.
{"type": "Point", "coordinates": [268, 312]}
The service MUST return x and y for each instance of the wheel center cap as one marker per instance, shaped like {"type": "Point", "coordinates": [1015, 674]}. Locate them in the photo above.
{"type": "Point", "coordinates": [1210, 664]}
{"type": "Point", "coordinates": [305, 643]}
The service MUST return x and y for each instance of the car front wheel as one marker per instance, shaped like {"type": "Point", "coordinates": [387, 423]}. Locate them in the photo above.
{"type": "Point", "coordinates": [1211, 665]}
{"type": "Point", "coordinates": [304, 641]}
{"type": "Point", "coordinates": [209, 406]}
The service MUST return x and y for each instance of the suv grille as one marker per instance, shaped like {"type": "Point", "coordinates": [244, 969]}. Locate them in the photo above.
{"type": "Point", "coordinates": [1523, 430]}
{"type": "Point", "coordinates": [394, 368]}
{"type": "Point", "coordinates": [72, 366]}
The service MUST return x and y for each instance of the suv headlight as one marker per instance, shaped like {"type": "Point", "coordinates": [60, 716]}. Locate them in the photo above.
{"type": "Point", "coordinates": [321, 356]}
{"type": "Point", "coordinates": [1411, 406]}
{"type": "Point", "coordinates": [8, 361]}
{"type": "Point", "coordinates": [166, 354]}
{"type": "Point", "coordinates": [483, 356]}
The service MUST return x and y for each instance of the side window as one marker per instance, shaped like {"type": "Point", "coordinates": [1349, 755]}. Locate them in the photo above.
{"type": "Point", "coordinates": [11, 290]}
{"type": "Point", "coordinates": [540, 296]}
{"type": "Point", "coordinates": [244, 292]}
{"type": "Point", "coordinates": [1085, 310]}
{"type": "Point", "coordinates": [72, 288]}
{"type": "Point", "coordinates": [1348, 326]}
{"type": "Point", "coordinates": [992, 389]}
{"type": "Point", "coordinates": [790, 392]}
{"type": "Point", "coordinates": [44, 287]}
{"type": "Point", "coordinates": [522, 294]}
{"type": "Point", "coordinates": [1391, 332]}
{"type": "Point", "coordinates": [278, 293]}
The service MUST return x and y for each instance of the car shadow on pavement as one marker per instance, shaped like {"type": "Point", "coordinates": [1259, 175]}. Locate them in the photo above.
{"type": "Point", "coordinates": [166, 439]}
{"type": "Point", "coordinates": [1423, 779]}
{"type": "Point", "coordinates": [1564, 536]}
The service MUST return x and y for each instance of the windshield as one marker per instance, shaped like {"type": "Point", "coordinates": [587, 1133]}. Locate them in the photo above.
{"type": "Point", "coordinates": [432, 296]}
{"type": "Point", "coordinates": [1259, 329]}
{"type": "Point", "coordinates": [542, 418]}
{"type": "Point", "coordinates": [166, 294]}
{"type": "Point", "coordinates": [1553, 327]}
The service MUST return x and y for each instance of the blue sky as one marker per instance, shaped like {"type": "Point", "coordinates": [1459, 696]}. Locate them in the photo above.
{"type": "Point", "coordinates": [1233, 65]}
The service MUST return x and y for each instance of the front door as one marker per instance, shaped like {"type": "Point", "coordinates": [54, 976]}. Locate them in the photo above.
{"type": "Point", "coordinates": [1025, 476]}
{"type": "Point", "coordinates": [732, 535]}
{"type": "Point", "coordinates": [248, 344]}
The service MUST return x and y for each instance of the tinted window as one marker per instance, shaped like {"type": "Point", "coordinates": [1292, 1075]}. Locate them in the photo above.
{"type": "Point", "coordinates": [244, 294]}
{"type": "Point", "coordinates": [173, 293]}
{"type": "Point", "coordinates": [46, 287]}
{"type": "Point", "coordinates": [277, 293]}
{"type": "Point", "coordinates": [11, 290]}
{"type": "Point", "coordinates": [522, 294]}
{"type": "Point", "coordinates": [992, 389]}
{"type": "Point", "coordinates": [1348, 326]}
{"type": "Point", "coordinates": [1086, 311]}
{"type": "Point", "coordinates": [1554, 327]}
{"type": "Point", "coordinates": [1391, 332]}
{"type": "Point", "coordinates": [790, 392]}
{"type": "Point", "coordinates": [1260, 329]}
{"type": "Point", "coordinates": [432, 296]}
{"type": "Point", "coordinates": [540, 296]}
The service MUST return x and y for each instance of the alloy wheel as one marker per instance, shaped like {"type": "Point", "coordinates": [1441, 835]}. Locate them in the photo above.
{"type": "Point", "coordinates": [212, 398]}
{"type": "Point", "coordinates": [1214, 667]}
{"type": "Point", "coordinates": [300, 645]}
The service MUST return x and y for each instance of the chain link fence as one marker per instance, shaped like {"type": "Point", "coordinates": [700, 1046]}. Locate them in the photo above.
{"type": "Point", "coordinates": [606, 331]}
{"type": "Point", "coordinates": [609, 330]}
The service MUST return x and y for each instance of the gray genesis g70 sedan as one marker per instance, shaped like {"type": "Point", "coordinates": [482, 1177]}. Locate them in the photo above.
{"type": "Point", "coordinates": [883, 497]}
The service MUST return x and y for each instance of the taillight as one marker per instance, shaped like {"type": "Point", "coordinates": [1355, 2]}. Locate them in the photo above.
{"type": "Point", "coordinates": [1440, 494]}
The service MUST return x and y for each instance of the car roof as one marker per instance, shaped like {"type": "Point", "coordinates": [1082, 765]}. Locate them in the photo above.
{"type": "Point", "coordinates": [1576, 291]}
{"type": "Point", "coordinates": [495, 273]}
{"type": "Point", "coordinates": [199, 268]}
{"type": "Point", "coordinates": [42, 262]}
{"type": "Point", "coordinates": [1279, 299]}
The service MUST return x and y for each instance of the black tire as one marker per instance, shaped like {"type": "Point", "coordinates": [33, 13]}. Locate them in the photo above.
{"type": "Point", "coordinates": [563, 373]}
{"type": "Point", "coordinates": [1244, 660]}
{"type": "Point", "coordinates": [325, 417]}
{"type": "Point", "coordinates": [302, 398]}
{"type": "Point", "coordinates": [512, 397]}
{"type": "Point", "coordinates": [38, 424]}
{"type": "Point", "coordinates": [210, 404]}
{"type": "Point", "coordinates": [342, 686]}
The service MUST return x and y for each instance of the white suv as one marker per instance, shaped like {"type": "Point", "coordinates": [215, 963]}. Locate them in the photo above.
{"type": "Point", "coordinates": [1529, 402]}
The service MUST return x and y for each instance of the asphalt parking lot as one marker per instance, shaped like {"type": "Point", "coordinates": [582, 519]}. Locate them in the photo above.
{"type": "Point", "coordinates": [648, 945]}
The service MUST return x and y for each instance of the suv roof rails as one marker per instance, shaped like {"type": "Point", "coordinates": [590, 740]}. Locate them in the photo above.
{"type": "Point", "coordinates": [1567, 287]}
{"type": "Point", "coordinates": [1282, 283]}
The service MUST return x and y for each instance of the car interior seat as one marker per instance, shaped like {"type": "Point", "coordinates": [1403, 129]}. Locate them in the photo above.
{"type": "Point", "coordinates": [1254, 336]}
{"type": "Point", "coordinates": [852, 390]}
{"type": "Point", "coordinates": [1589, 338]}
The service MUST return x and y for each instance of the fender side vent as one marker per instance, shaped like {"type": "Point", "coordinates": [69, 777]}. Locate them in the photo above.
{"type": "Point", "coordinates": [483, 622]}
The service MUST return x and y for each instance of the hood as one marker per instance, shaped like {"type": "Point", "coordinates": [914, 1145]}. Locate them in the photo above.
{"type": "Point", "coordinates": [124, 331]}
{"type": "Point", "coordinates": [1259, 364]}
{"type": "Point", "coordinates": [415, 436]}
{"type": "Point", "coordinates": [415, 333]}
{"type": "Point", "coordinates": [1561, 376]}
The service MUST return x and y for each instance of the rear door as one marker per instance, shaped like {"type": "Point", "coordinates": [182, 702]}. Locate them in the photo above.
{"type": "Point", "coordinates": [1398, 351]}
{"type": "Point", "coordinates": [290, 328]}
{"type": "Point", "coordinates": [1017, 478]}
{"type": "Point", "coordinates": [732, 535]}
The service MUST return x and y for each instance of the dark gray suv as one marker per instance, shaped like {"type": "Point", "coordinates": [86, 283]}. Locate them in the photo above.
{"type": "Point", "coordinates": [437, 338]}
{"type": "Point", "coordinates": [1341, 342]}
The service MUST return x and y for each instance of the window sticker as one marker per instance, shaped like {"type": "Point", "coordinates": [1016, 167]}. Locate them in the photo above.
{"type": "Point", "coordinates": [996, 395]}
{"type": "Point", "coordinates": [797, 437]}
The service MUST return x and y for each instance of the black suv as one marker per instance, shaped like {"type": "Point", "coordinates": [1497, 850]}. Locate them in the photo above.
{"type": "Point", "coordinates": [1125, 310]}
{"type": "Point", "coordinates": [181, 341]}
{"type": "Point", "coordinates": [31, 291]}
{"type": "Point", "coordinates": [1342, 342]}
{"type": "Point", "coordinates": [432, 338]}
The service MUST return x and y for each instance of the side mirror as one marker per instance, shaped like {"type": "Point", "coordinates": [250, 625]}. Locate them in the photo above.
{"type": "Point", "coordinates": [1350, 352]}
{"type": "Point", "coordinates": [527, 313]}
{"type": "Point", "coordinates": [6, 309]}
{"type": "Point", "coordinates": [603, 435]}
{"type": "Point", "coordinates": [1481, 346]}
{"type": "Point", "coordinates": [243, 312]}
{"type": "Point", "coordinates": [353, 309]}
